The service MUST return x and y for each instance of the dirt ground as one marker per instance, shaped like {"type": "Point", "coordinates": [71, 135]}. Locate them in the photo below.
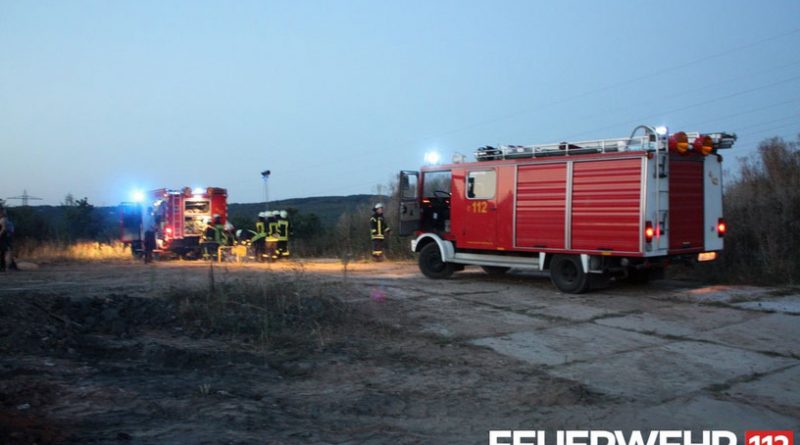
{"type": "Point", "coordinates": [95, 353]}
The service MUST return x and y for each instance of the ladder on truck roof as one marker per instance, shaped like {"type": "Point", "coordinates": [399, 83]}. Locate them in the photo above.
{"type": "Point", "coordinates": [649, 141]}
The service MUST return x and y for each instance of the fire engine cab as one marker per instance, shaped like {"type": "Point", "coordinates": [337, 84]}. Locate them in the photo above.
{"type": "Point", "coordinates": [586, 211]}
{"type": "Point", "coordinates": [180, 217]}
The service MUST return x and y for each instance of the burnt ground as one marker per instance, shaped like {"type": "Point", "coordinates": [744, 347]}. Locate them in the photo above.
{"type": "Point", "coordinates": [123, 353]}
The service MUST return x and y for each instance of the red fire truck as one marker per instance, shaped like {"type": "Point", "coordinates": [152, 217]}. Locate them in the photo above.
{"type": "Point", "coordinates": [180, 217]}
{"type": "Point", "coordinates": [586, 211]}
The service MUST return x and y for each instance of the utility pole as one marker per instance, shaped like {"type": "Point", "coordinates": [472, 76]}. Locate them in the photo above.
{"type": "Point", "coordinates": [265, 176]}
{"type": "Point", "coordinates": [25, 197]}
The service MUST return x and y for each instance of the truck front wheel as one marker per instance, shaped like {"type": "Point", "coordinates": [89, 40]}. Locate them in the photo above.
{"type": "Point", "coordinates": [566, 272]}
{"type": "Point", "coordinates": [431, 264]}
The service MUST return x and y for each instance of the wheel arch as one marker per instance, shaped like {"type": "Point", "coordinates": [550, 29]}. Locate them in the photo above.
{"type": "Point", "coordinates": [446, 248]}
{"type": "Point", "coordinates": [547, 258]}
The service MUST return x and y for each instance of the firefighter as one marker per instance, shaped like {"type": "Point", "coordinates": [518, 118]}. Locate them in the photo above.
{"type": "Point", "coordinates": [213, 237]}
{"type": "Point", "coordinates": [282, 226]}
{"type": "Point", "coordinates": [259, 239]}
{"type": "Point", "coordinates": [378, 230]}
{"type": "Point", "coordinates": [6, 238]}
{"type": "Point", "coordinates": [149, 236]}
{"type": "Point", "coordinates": [228, 237]}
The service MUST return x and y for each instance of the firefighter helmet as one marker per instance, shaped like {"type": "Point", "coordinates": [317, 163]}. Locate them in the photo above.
{"type": "Point", "coordinates": [378, 206]}
{"type": "Point", "coordinates": [284, 214]}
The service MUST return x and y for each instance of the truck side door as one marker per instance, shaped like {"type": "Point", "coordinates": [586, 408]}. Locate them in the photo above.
{"type": "Point", "coordinates": [479, 207]}
{"type": "Point", "coordinates": [409, 212]}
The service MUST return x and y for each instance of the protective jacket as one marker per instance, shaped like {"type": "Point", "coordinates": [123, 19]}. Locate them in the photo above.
{"type": "Point", "coordinates": [378, 226]}
{"type": "Point", "coordinates": [215, 233]}
{"type": "Point", "coordinates": [272, 228]}
{"type": "Point", "coordinates": [261, 230]}
{"type": "Point", "coordinates": [282, 229]}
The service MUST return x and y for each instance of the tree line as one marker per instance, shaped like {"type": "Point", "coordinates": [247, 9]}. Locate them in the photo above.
{"type": "Point", "coordinates": [761, 206]}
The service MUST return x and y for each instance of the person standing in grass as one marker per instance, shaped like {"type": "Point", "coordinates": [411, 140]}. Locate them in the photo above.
{"type": "Point", "coordinates": [149, 228]}
{"type": "Point", "coordinates": [259, 240]}
{"type": "Point", "coordinates": [6, 238]}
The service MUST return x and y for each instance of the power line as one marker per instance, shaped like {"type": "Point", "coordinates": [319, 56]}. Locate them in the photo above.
{"type": "Point", "coordinates": [742, 113]}
{"type": "Point", "coordinates": [749, 141]}
{"type": "Point", "coordinates": [772, 121]}
{"type": "Point", "coordinates": [703, 88]}
{"type": "Point", "coordinates": [686, 107]}
{"type": "Point", "coordinates": [626, 82]}
{"type": "Point", "coordinates": [364, 185]}
{"type": "Point", "coordinates": [25, 197]}
{"type": "Point", "coordinates": [607, 88]}
{"type": "Point", "coordinates": [583, 94]}
{"type": "Point", "coordinates": [747, 136]}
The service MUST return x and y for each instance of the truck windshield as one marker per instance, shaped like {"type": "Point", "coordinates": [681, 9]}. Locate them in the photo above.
{"type": "Point", "coordinates": [436, 181]}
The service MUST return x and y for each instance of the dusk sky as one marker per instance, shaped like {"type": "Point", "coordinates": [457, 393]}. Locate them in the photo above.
{"type": "Point", "coordinates": [100, 98]}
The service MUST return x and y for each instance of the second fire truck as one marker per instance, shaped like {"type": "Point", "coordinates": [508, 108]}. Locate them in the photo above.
{"type": "Point", "coordinates": [586, 211]}
{"type": "Point", "coordinates": [180, 218]}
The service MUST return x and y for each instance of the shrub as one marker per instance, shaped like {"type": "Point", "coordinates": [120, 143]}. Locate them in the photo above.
{"type": "Point", "coordinates": [762, 209]}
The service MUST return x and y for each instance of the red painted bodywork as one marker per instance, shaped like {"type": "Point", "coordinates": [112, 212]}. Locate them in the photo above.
{"type": "Point", "coordinates": [606, 205]}
{"type": "Point", "coordinates": [529, 210]}
{"type": "Point", "coordinates": [541, 200]}
{"type": "Point", "coordinates": [686, 204]}
{"type": "Point", "coordinates": [178, 224]}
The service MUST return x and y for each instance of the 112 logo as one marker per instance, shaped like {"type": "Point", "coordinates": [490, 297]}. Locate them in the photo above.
{"type": "Point", "coordinates": [769, 437]}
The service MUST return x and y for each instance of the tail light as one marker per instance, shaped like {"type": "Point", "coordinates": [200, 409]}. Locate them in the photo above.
{"type": "Point", "coordinates": [721, 227]}
{"type": "Point", "coordinates": [649, 231]}
{"type": "Point", "coordinates": [703, 144]}
{"type": "Point", "coordinates": [679, 142]}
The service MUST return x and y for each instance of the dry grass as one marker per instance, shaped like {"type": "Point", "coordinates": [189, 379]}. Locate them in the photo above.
{"type": "Point", "coordinates": [282, 307]}
{"type": "Point", "coordinates": [50, 252]}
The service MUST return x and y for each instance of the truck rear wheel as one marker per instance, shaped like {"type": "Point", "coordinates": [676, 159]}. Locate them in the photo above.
{"type": "Point", "coordinates": [431, 264]}
{"type": "Point", "coordinates": [566, 272]}
{"type": "Point", "coordinates": [495, 270]}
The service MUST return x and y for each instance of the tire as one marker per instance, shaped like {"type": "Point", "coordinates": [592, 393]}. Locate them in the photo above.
{"type": "Point", "coordinates": [431, 264]}
{"type": "Point", "coordinates": [566, 272]}
{"type": "Point", "coordinates": [495, 270]}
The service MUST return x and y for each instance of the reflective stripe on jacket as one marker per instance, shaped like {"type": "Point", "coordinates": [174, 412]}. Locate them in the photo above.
{"type": "Point", "coordinates": [282, 230]}
{"type": "Point", "coordinates": [261, 231]}
{"type": "Point", "coordinates": [377, 226]}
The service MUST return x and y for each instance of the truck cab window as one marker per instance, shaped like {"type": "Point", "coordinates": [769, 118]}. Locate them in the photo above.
{"type": "Point", "coordinates": [436, 201]}
{"type": "Point", "coordinates": [408, 187]}
{"type": "Point", "coordinates": [481, 184]}
{"type": "Point", "coordinates": [438, 181]}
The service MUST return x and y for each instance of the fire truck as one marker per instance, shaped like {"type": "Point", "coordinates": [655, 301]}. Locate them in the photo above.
{"type": "Point", "coordinates": [588, 212]}
{"type": "Point", "coordinates": [180, 217]}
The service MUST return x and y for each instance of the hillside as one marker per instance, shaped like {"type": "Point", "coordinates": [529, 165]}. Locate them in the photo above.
{"type": "Point", "coordinates": [327, 208]}
{"type": "Point", "coordinates": [63, 223]}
